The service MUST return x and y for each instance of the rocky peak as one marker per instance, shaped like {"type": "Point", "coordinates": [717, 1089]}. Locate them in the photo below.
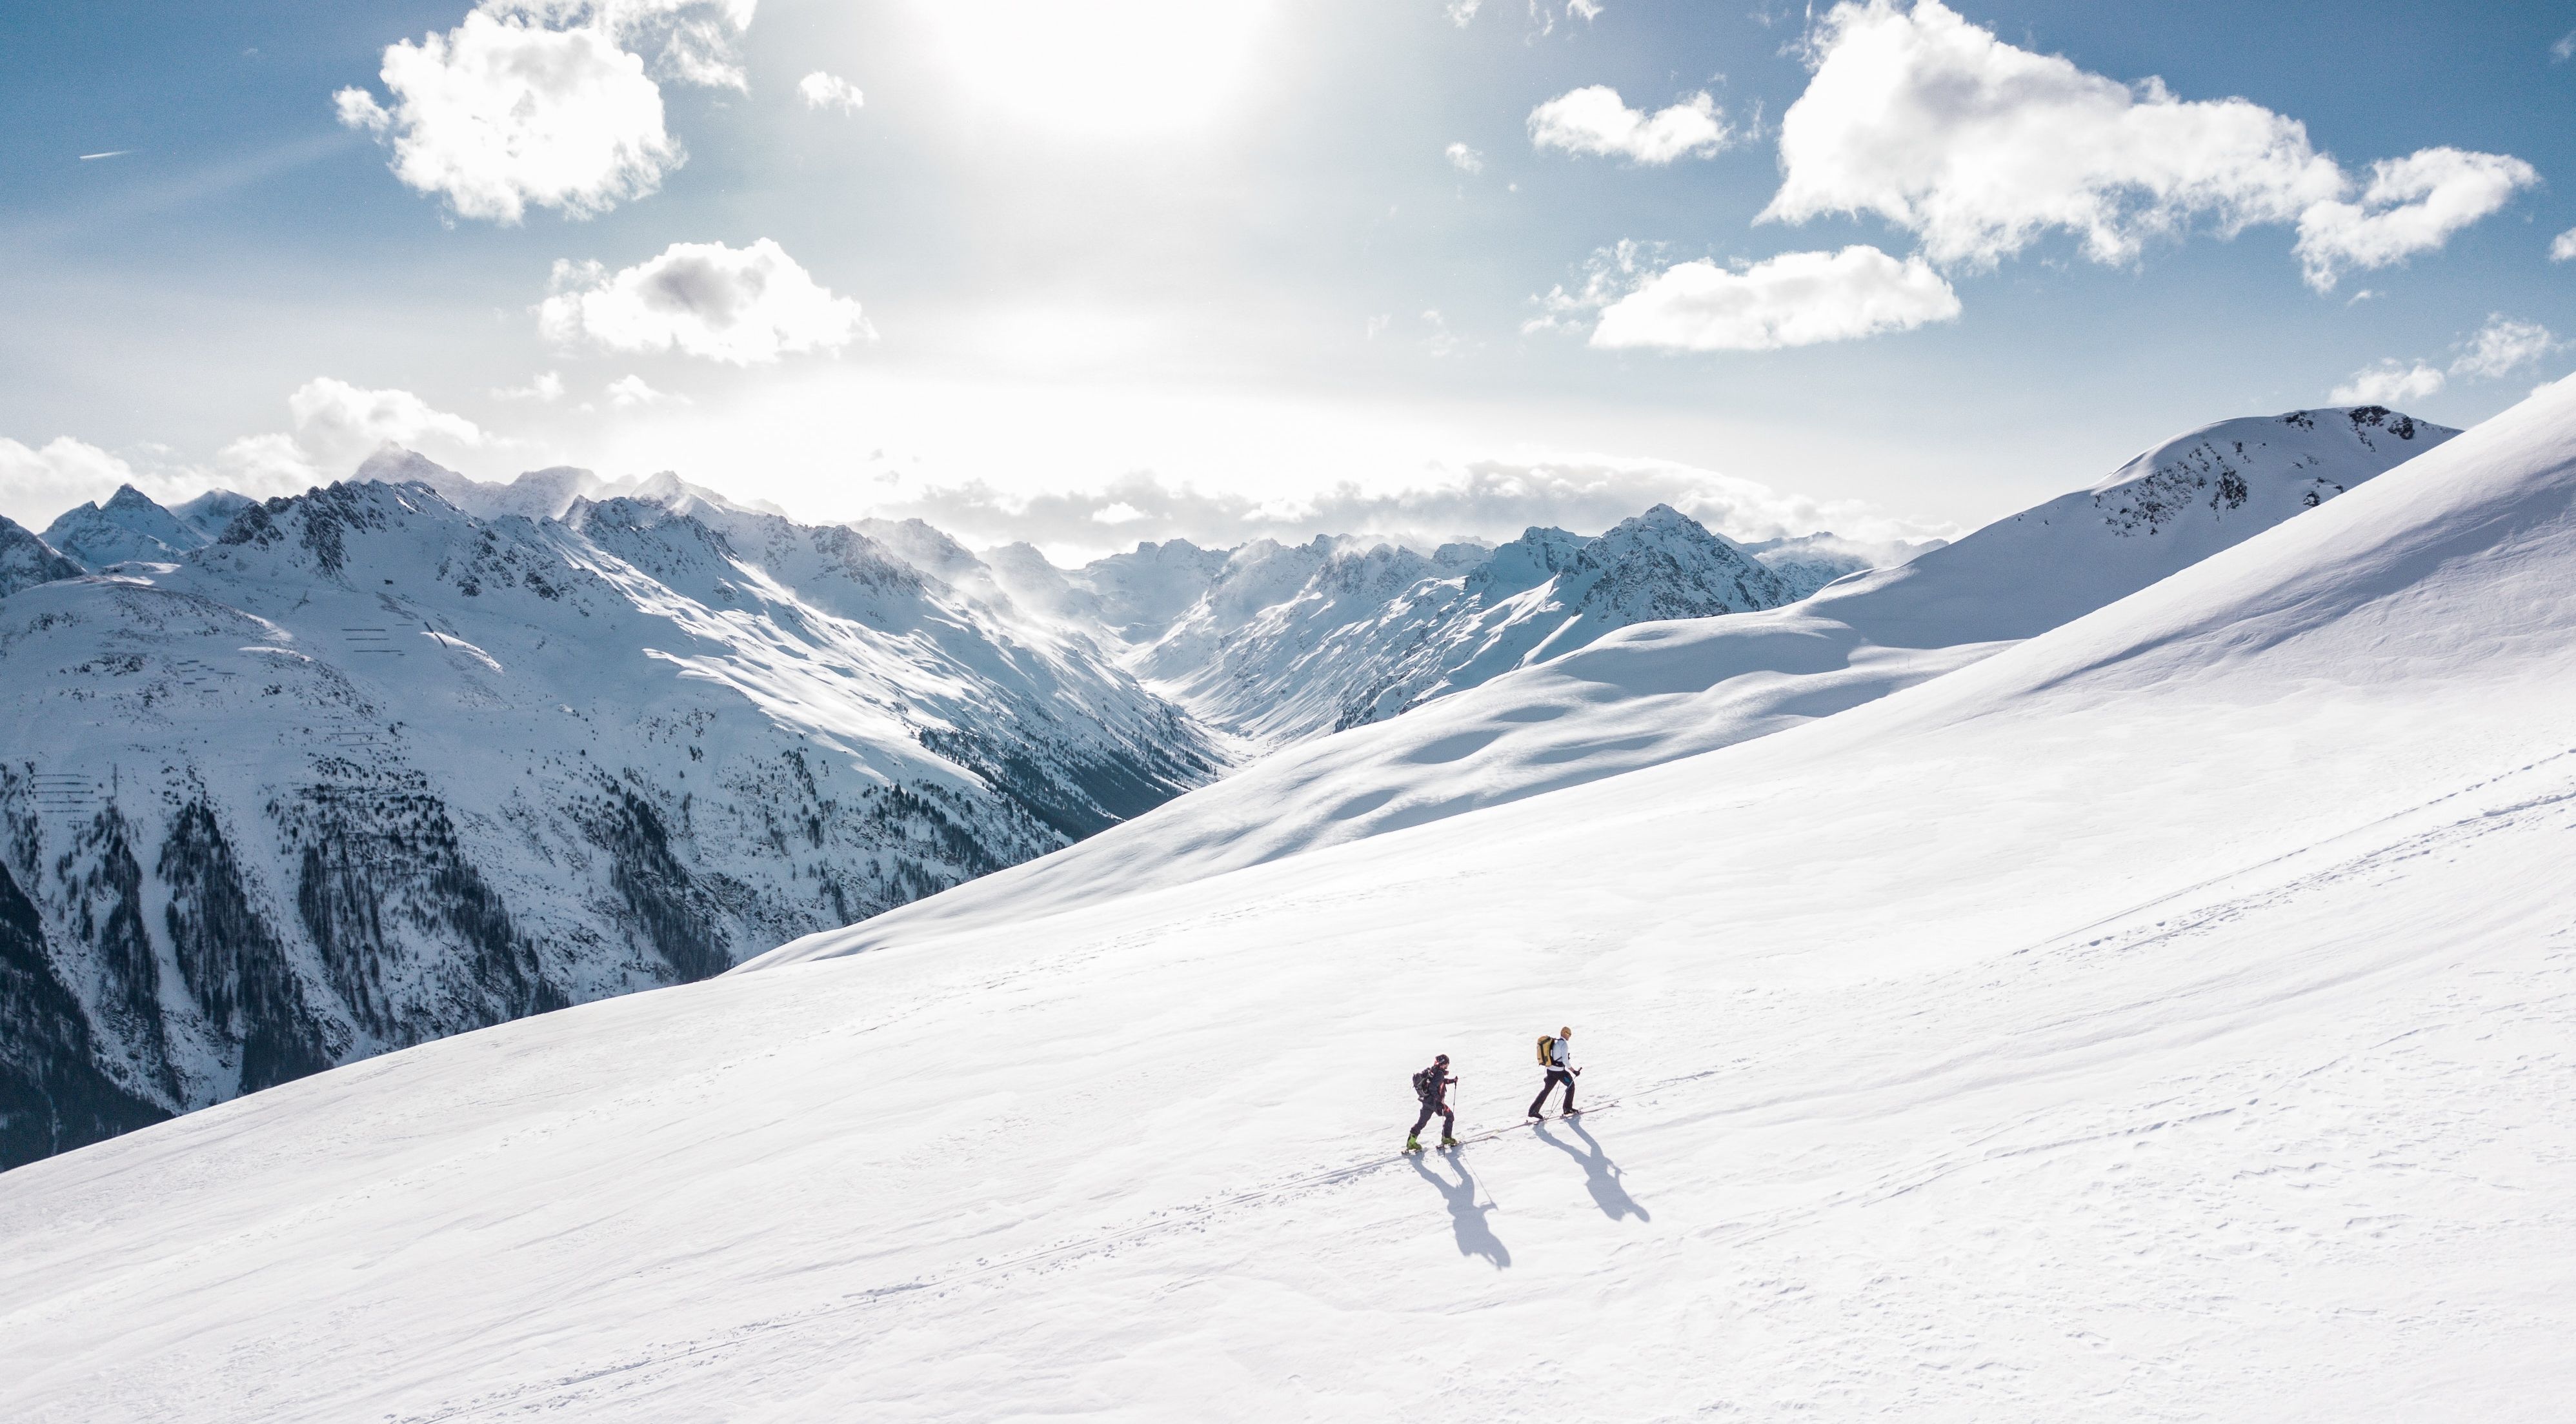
{"type": "Point", "coordinates": [1665, 564]}
{"type": "Point", "coordinates": [26, 560]}
{"type": "Point", "coordinates": [128, 526]}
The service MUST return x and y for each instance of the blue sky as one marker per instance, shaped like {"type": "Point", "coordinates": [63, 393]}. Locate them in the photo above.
{"type": "Point", "coordinates": [1087, 273]}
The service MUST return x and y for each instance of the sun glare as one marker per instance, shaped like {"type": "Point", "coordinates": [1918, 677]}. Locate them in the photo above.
{"type": "Point", "coordinates": [1100, 68]}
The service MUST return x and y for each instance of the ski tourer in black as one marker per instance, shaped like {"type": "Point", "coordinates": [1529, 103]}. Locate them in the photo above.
{"type": "Point", "coordinates": [1431, 1085]}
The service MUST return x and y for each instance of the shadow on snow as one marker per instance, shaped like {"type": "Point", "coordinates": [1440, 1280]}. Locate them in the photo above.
{"type": "Point", "coordinates": [1466, 1218]}
{"type": "Point", "coordinates": [1601, 1176]}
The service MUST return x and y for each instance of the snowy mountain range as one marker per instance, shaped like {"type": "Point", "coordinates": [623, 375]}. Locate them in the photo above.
{"type": "Point", "coordinates": [1289, 642]}
{"type": "Point", "coordinates": [295, 783]}
{"type": "Point", "coordinates": [366, 769]}
{"type": "Point", "coordinates": [1278, 643]}
{"type": "Point", "coordinates": [2162, 1016]}
{"type": "Point", "coordinates": [1658, 691]}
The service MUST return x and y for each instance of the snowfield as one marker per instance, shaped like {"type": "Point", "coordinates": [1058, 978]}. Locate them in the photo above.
{"type": "Point", "coordinates": [2166, 1017]}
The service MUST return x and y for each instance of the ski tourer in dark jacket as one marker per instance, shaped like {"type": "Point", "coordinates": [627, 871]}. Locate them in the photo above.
{"type": "Point", "coordinates": [1432, 1086]}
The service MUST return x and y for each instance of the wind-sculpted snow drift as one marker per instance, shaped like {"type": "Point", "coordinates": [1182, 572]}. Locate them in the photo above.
{"type": "Point", "coordinates": [2165, 1017]}
{"type": "Point", "coordinates": [368, 770]}
{"type": "Point", "coordinates": [1658, 691]}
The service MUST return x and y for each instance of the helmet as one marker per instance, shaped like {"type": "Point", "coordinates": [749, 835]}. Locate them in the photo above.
{"type": "Point", "coordinates": [1440, 1058]}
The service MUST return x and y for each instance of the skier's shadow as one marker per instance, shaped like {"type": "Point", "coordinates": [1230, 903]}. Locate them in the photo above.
{"type": "Point", "coordinates": [1466, 1218]}
{"type": "Point", "coordinates": [1600, 1174]}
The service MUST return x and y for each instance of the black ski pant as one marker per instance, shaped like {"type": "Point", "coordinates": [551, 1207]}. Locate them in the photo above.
{"type": "Point", "coordinates": [1554, 1077]}
{"type": "Point", "coordinates": [1448, 1119]}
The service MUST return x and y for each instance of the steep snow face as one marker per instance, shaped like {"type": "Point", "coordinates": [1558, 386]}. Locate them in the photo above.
{"type": "Point", "coordinates": [1295, 642]}
{"type": "Point", "coordinates": [26, 560]}
{"type": "Point", "coordinates": [1655, 692]}
{"type": "Point", "coordinates": [128, 526]}
{"type": "Point", "coordinates": [2164, 510]}
{"type": "Point", "coordinates": [370, 771]}
{"type": "Point", "coordinates": [2170, 1010]}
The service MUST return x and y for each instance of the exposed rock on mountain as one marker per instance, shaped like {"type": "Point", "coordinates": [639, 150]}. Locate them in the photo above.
{"type": "Point", "coordinates": [26, 560]}
{"type": "Point", "coordinates": [128, 526]}
{"type": "Point", "coordinates": [1291, 642]}
{"type": "Point", "coordinates": [370, 770]}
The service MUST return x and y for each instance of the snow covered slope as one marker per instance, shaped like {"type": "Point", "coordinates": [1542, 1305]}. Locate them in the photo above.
{"type": "Point", "coordinates": [27, 560]}
{"type": "Point", "coordinates": [370, 770]}
{"type": "Point", "coordinates": [1658, 691]}
{"type": "Point", "coordinates": [2164, 1018]}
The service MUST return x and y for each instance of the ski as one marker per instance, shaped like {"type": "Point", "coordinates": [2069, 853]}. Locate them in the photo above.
{"type": "Point", "coordinates": [1491, 1133]}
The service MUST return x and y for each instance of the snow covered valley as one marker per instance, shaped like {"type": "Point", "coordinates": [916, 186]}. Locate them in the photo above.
{"type": "Point", "coordinates": [2165, 1016]}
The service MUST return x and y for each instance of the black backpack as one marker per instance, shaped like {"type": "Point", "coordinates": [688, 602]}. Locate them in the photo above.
{"type": "Point", "coordinates": [1426, 1084]}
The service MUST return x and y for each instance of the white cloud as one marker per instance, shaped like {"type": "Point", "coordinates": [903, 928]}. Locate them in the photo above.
{"type": "Point", "coordinates": [38, 483]}
{"type": "Point", "coordinates": [2562, 248]}
{"type": "Point", "coordinates": [337, 420]}
{"type": "Point", "coordinates": [2564, 49]}
{"type": "Point", "coordinates": [1979, 148]}
{"type": "Point", "coordinates": [631, 390]}
{"type": "Point", "coordinates": [336, 426]}
{"type": "Point", "coordinates": [2504, 346]}
{"type": "Point", "coordinates": [1542, 13]}
{"type": "Point", "coordinates": [1441, 340]}
{"type": "Point", "coordinates": [1794, 299]}
{"type": "Point", "coordinates": [742, 305]}
{"type": "Point", "coordinates": [830, 91]}
{"type": "Point", "coordinates": [2390, 382]}
{"type": "Point", "coordinates": [2413, 204]}
{"type": "Point", "coordinates": [546, 102]}
{"type": "Point", "coordinates": [1595, 120]}
{"type": "Point", "coordinates": [545, 389]}
{"type": "Point", "coordinates": [2497, 349]}
{"type": "Point", "coordinates": [1462, 11]}
{"type": "Point", "coordinates": [1465, 159]}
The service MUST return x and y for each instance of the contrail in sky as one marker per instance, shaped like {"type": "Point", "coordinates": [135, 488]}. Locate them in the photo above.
{"type": "Point", "coordinates": [111, 153]}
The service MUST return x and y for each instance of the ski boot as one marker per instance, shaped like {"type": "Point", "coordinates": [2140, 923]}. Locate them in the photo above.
{"type": "Point", "coordinates": [1448, 1142]}
{"type": "Point", "coordinates": [1413, 1144]}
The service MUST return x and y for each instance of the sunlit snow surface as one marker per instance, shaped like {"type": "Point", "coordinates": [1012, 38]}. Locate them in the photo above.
{"type": "Point", "coordinates": [2168, 1017]}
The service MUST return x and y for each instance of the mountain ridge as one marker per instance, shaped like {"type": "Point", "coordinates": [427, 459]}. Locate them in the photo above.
{"type": "Point", "coordinates": [367, 770]}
